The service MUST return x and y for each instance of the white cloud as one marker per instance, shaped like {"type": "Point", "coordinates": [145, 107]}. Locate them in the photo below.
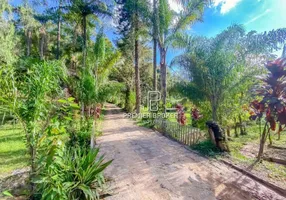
{"type": "Point", "coordinates": [175, 6]}
{"type": "Point", "coordinates": [226, 5]}
{"type": "Point", "coordinates": [258, 16]}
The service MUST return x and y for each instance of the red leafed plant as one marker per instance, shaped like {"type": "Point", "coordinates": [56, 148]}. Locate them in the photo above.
{"type": "Point", "coordinates": [195, 116]}
{"type": "Point", "coordinates": [273, 103]}
{"type": "Point", "coordinates": [181, 118]}
{"type": "Point", "coordinates": [97, 110]}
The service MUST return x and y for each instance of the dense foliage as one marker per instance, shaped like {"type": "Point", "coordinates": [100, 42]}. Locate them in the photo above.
{"type": "Point", "coordinates": [58, 67]}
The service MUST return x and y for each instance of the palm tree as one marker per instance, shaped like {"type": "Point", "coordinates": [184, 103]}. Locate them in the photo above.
{"type": "Point", "coordinates": [219, 68]}
{"type": "Point", "coordinates": [155, 35]}
{"type": "Point", "coordinates": [130, 26]}
{"type": "Point", "coordinates": [83, 9]}
{"type": "Point", "coordinates": [59, 29]}
{"type": "Point", "coordinates": [29, 23]}
{"type": "Point", "coordinates": [154, 22]}
{"type": "Point", "coordinates": [171, 26]}
{"type": "Point", "coordinates": [42, 19]}
{"type": "Point", "coordinates": [136, 57]}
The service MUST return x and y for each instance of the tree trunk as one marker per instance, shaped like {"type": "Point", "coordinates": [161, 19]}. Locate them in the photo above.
{"type": "Point", "coordinates": [270, 138]}
{"type": "Point", "coordinates": [59, 31]}
{"type": "Point", "coordinates": [93, 133]}
{"type": "Point", "coordinates": [154, 64]}
{"type": "Point", "coordinates": [211, 136]}
{"type": "Point", "coordinates": [42, 42]}
{"type": "Point", "coordinates": [154, 46]}
{"type": "Point", "coordinates": [32, 144]}
{"type": "Point", "coordinates": [29, 41]}
{"type": "Point", "coordinates": [228, 131]}
{"type": "Point", "coordinates": [262, 142]}
{"type": "Point", "coordinates": [214, 111]}
{"type": "Point", "coordinates": [279, 129]}
{"type": "Point", "coordinates": [217, 136]}
{"type": "Point", "coordinates": [137, 77]}
{"type": "Point", "coordinates": [163, 76]}
{"type": "Point", "coordinates": [137, 71]}
{"type": "Point", "coordinates": [33, 167]}
{"type": "Point", "coordinates": [84, 40]}
{"type": "Point", "coordinates": [240, 124]}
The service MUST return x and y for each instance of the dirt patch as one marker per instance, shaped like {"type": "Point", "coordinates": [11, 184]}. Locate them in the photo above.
{"type": "Point", "coordinates": [265, 170]}
{"type": "Point", "coordinates": [250, 150]}
{"type": "Point", "coordinates": [16, 183]}
{"type": "Point", "coordinates": [148, 165]}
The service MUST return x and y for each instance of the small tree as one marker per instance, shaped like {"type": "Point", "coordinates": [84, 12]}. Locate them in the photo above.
{"type": "Point", "coordinates": [31, 91]}
{"type": "Point", "coordinates": [273, 103]}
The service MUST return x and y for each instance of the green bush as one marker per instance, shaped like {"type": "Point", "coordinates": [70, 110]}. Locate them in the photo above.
{"type": "Point", "coordinates": [169, 105]}
{"type": "Point", "coordinates": [71, 173]}
{"type": "Point", "coordinates": [130, 106]}
{"type": "Point", "coordinates": [133, 98]}
{"type": "Point", "coordinates": [80, 138]}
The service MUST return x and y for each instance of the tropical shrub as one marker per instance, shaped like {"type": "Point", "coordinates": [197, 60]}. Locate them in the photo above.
{"type": "Point", "coordinates": [80, 138]}
{"type": "Point", "coordinates": [37, 85]}
{"type": "Point", "coordinates": [131, 103]}
{"type": "Point", "coordinates": [272, 106]}
{"type": "Point", "coordinates": [181, 118]}
{"type": "Point", "coordinates": [195, 114]}
{"type": "Point", "coordinates": [71, 173]}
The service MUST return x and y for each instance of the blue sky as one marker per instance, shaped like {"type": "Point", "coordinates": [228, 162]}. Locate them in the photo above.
{"type": "Point", "coordinates": [259, 15]}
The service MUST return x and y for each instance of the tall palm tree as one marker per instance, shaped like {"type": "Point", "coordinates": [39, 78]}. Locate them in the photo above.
{"type": "Point", "coordinates": [42, 19]}
{"type": "Point", "coordinates": [130, 26]}
{"type": "Point", "coordinates": [155, 35]}
{"type": "Point", "coordinates": [59, 29]}
{"type": "Point", "coordinates": [155, 23]}
{"type": "Point", "coordinates": [136, 55]}
{"type": "Point", "coordinates": [171, 25]}
{"type": "Point", "coordinates": [223, 67]}
{"type": "Point", "coordinates": [83, 9]}
{"type": "Point", "coordinates": [28, 23]}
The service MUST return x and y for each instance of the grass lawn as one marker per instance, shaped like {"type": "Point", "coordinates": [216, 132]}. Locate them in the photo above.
{"type": "Point", "coordinates": [13, 153]}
